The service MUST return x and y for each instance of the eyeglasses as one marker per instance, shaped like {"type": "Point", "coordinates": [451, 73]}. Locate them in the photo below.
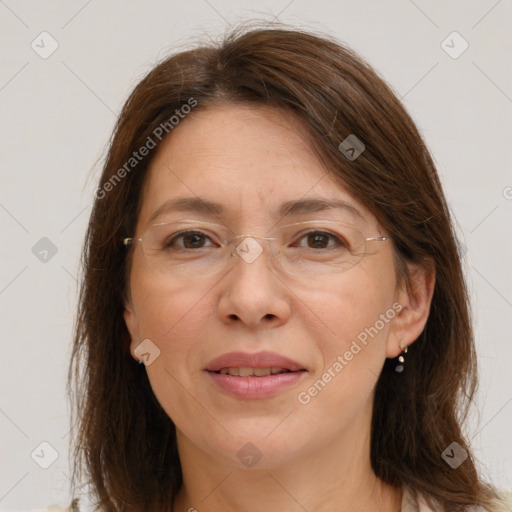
{"type": "Point", "coordinates": [191, 249]}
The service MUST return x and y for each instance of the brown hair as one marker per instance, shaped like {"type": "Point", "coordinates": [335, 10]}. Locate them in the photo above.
{"type": "Point", "coordinates": [125, 441]}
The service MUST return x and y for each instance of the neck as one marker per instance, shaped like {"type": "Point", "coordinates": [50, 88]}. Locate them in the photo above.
{"type": "Point", "coordinates": [337, 477]}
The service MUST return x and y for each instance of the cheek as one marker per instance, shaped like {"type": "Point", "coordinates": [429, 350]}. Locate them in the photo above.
{"type": "Point", "coordinates": [175, 318]}
{"type": "Point", "coordinates": [165, 308]}
{"type": "Point", "coordinates": [351, 305]}
{"type": "Point", "coordinates": [354, 318]}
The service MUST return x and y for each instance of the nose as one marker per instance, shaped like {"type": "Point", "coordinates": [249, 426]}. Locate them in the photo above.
{"type": "Point", "coordinates": [252, 292]}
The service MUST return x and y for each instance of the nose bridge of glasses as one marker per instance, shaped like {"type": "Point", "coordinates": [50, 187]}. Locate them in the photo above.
{"type": "Point", "coordinates": [247, 247]}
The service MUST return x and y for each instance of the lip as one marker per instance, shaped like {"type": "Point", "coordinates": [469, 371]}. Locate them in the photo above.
{"type": "Point", "coordinates": [263, 359]}
{"type": "Point", "coordinates": [255, 387]}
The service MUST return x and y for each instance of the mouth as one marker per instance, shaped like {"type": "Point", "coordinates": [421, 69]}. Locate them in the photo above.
{"type": "Point", "coordinates": [245, 371]}
{"type": "Point", "coordinates": [258, 375]}
{"type": "Point", "coordinates": [258, 364]}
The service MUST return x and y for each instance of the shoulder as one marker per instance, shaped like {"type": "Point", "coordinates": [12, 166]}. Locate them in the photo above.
{"type": "Point", "coordinates": [503, 503]}
{"type": "Point", "coordinates": [72, 507]}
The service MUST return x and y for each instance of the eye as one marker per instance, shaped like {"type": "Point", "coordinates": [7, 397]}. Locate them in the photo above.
{"type": "Point", "coordinates": [187, 240]}
{"type": "Point", "coordinates": [321, 240]}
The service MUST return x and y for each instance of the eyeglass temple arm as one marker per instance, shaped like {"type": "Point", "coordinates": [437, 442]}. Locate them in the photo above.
{"type": "Point", "coordinates": [128, 241]}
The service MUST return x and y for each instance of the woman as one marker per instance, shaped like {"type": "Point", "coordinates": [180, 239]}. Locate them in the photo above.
{"type": "Point", "coordinates": [270, 238]}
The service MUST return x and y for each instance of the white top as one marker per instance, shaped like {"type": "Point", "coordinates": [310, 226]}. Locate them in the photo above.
{"type": "Point", "coordinates": [409, 504]}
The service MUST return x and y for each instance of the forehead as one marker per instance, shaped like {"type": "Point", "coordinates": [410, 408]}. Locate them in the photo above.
{"type": "Point", "coordinates": [246, 159]}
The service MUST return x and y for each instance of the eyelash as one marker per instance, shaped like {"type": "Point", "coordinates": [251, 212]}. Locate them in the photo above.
{"type": "Point", "coordinates": [168, 244]}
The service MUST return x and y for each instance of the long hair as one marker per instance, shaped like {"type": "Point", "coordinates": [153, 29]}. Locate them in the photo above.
{"type": "Point", "coordinates": [125, 443]}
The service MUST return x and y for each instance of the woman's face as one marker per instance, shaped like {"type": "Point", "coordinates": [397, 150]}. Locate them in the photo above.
{"type": "Point", "coordinates": [337, 326]}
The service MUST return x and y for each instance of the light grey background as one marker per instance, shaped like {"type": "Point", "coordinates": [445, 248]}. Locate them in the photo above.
{"type": "Point", "coordinates": [57, 114]}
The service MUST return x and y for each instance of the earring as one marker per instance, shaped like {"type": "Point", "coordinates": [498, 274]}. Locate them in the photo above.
{"type": "Point", "coordinates": [399, 368]}
{"type": "Point", "coordinates": [137, 362]}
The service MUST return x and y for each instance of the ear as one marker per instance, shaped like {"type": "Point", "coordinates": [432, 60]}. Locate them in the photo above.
{"type": "Point", "coordinates": [414, 298]}
{"type": "Point", "coordinates": [132, 324]}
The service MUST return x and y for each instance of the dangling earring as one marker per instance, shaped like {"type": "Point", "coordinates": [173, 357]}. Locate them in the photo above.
{"type": "Point", "coordinates": [399, 368]}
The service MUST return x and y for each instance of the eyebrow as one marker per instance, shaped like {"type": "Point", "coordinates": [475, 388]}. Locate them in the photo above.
{"type": "Point", "coordinates": [294, 207]}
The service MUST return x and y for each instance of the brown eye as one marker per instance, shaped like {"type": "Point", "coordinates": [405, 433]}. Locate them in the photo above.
{"type": "Point", "coordinates": [318, 241]}
{"type": "Point", "coordinates": [188, 240]}
{"type": "Point", "coordinates": [321, 240]}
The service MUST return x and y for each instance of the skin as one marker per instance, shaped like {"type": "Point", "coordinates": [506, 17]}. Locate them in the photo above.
{"type": "Point", "coordinates": [314, 456]}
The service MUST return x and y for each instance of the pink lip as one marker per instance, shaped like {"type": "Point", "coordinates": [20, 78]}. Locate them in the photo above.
{"type": "Point", "coordinates": [263, 359]}
{"type": "Point", "coordinates": [255, 387]}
